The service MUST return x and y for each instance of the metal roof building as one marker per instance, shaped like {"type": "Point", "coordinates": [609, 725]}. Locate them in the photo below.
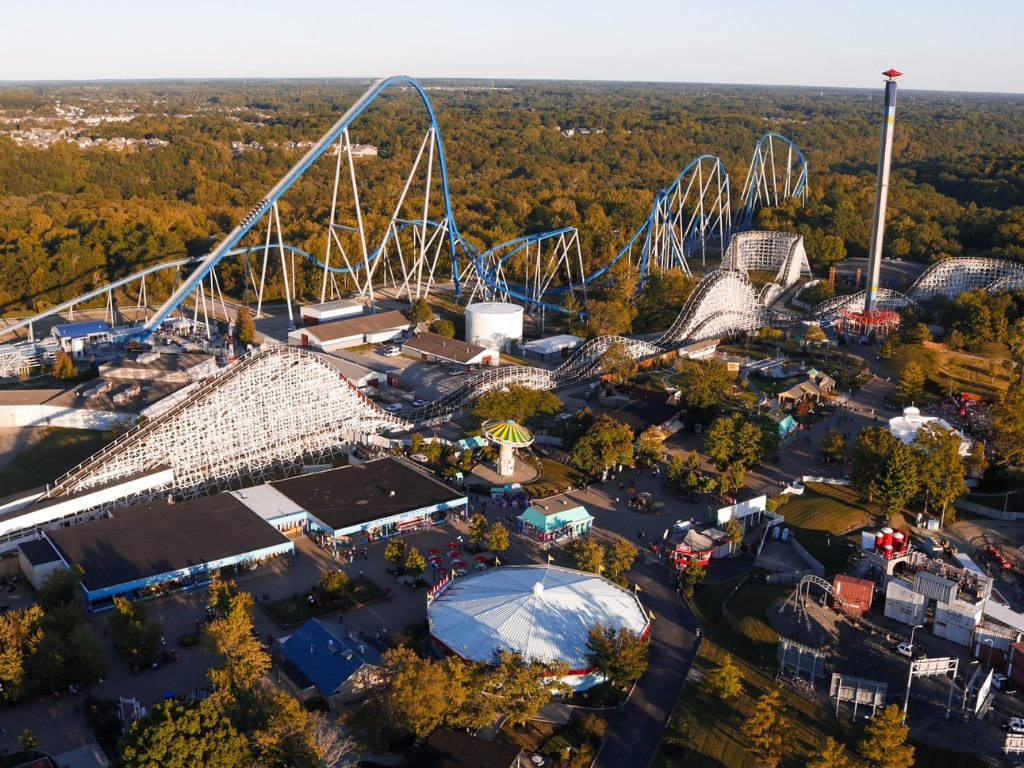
{"type": "Point", "coordinates": [542, 612]}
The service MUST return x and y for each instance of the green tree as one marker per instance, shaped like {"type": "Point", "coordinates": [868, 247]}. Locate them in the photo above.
{"type": "Point", "coordinates": [63, 367]}
{"type": "Point", "coordinates": [60, 588]}
{"type": "Point", "coordinates": [606, 443]}
{"type": "Point", "coordinates": [1008, 425]}
{"type": "Point", "coordinates": [497, 537]}
{"type": "Point", "coordinates": [245, 328]}
{"type": "Point", "coordinates": [619, 555]}
{"type": "Point", "coordinates": [869, 458]}
{"type": "Point", "coordinates": [420, 311]}
{"type": "Point", "coordinates": [676, 470]}
{"type": "Point", "coordinates": [443, 327]}
{"type": "Point", "coordinates": [900, 480]}
{"type": "Point", "coordinates": [833, 446]}
{"type": "Point", "coordinates": [765, 729]}
{"type": "Point", "coordinates": [414, 563]}
{"type": "Point", "coordinates": [694, 573]}
{"type": "Point", "coordinates": [885, 740]}
{"type": "Point", "coordinates": [27, 740]}
{"type": "Point", "coordinates": [617, 363]}
{"type": "Point", "coordinates": [618, 654]}
{"type": "Point", "coordinates": [831, 755]}
{"type": "Point", "coordinates": [138, 640]}
{"type": "Point", "coordinates": [650, 445]}
{"type": "Point", "coordinates": [66, 653]}
{"type": "Point", "coordinates": [182, 735]}
{"type": "Point", "coordinates": [609, 318]}
{"type": "Point", "coordinates": [724, 681]}
{"type": "Point", "coordinates": [519, 403]}
{"type": "Point", "coordinates": [734, 439]}
{"type": "Point", "coordinates": [734, 530]}
{"type": "Point", "coordinates": [333, 583]}
{"type": "Point", "coordinates": [478, 530]}
{"type": "Point", "coordinates": [394, 551]}
{"type": "Point", "coordinates": [703, 384]}
{"type": "Point", "coordinates": [587, 554]}
{"type": "Point", "coordinates": [942, 471]}
{"type": "Point", "coordinates": [910, 387]}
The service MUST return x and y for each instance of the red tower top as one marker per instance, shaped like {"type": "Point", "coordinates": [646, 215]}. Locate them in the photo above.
{"type": "Point", "coordinates": [891, 73]}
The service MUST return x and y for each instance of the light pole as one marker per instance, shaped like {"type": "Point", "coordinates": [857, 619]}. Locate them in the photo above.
{"type": "Point", "coordinates": [912, 631]}
{"type": "Point", "coordinates": [967, 682]}
{"type": "Point", "coordinates": [988, 657]}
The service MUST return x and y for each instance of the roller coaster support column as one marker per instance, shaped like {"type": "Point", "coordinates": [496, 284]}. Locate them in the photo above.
{"type": "Point", "coordinates": [882, 189]}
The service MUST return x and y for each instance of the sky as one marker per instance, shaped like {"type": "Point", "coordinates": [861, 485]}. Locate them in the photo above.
{"type": "Point", "coordinates": [938, 44]}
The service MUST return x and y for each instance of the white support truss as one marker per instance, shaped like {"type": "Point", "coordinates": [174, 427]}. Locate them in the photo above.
{"type": "Point", "coordinates": [781, 253]}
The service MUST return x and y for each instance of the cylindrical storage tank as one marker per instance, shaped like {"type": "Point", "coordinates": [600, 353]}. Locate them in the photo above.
{"type": "Point", "coordinates": [494, 324]}
{"type": "Point", "coordinates": [879, 541]}
{"type": "Point", "coordinates": [887, 535]}
{"type": "Point", "coordinates": [899, 541]}
{"type": "Point", "coordinates": [887, 551]}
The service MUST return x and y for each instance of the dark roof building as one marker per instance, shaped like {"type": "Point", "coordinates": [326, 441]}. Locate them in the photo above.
{"type": "Point", "coordinates": [379, 498]}
{"type": "Point", "coordinates": [433, 346]}
{"type": "Point", "coordinates": [153, 547]}
{"type": "Point", "coordinates": [445, 748]}
{"type": "Point", "coordinates": [352, 331]}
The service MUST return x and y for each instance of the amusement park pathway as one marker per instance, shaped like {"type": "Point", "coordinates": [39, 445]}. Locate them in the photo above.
{"type": "Point", "coordinates": [635, 733]}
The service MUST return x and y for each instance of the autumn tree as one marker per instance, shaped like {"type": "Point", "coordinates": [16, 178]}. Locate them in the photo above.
{"type": "Point", "coordinates": [219, 594]}
{"type": "Point", "coordinates": [519, 403]}
{"type": "Point", "coordinates": [734, 530]}
{"type": "Point", "coordinates": [724, 681]}
{"type": "Point", "coordinates": [831, 755]}
{"type": "Point", "coordinates": [617, 363]}
{"type": "Point", "coordinates": [910, 386]}
{"type": "Point", "coordinates": [618, 654]}
{"type": "Point", "coordinates": [394, 551]}
{"type": "Point", "coordinates": [734, 439]}
{"type": "Point", "coordinates": [20, 634]}
{"type": "Point", "coordinates": [245, 328]}
{"type": "Point", "coordinates": [63, 368]}
{"type": "Point", "coordinates": [587, 554]}
{"type": "Point", "coordinates": [619, 555]}
{"type": "Point", "coordinates": [478, 530]}
{"type": "Point", "coordinates": [833, 446]}
{"type": "Point", "coordinates": [443, 327]}
{"type": "Point", "coordinates": [765, 729]}
{"type": "Point", "coordinates": [414, 563]}
{"type": "Point", "coordinates": [522, 687]}
{"type": "Point", "coordinates": [333, 583]}
{"type": "Point", "coordinates": [608, 318]}
{"type": "Point", "coordinates": [650, 445]}
{"type": "Point", "coordinates": [244, 661]}
{"type": "Point", "coordinates": [885, 740]}
{"type": "Point", "coordinates": [27, 740]}
{"type": "Point", "coordinates": [1008, 425]}
{"type": "Point", "coordinates": [694, 573]}
{"type": "Point", "coordinates": [606, 443]}
{"type": "Point", "coordinates": [497, 537]}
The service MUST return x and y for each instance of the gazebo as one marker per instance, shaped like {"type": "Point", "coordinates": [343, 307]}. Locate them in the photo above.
{"type": "Point", "coordinates": [506, 434]}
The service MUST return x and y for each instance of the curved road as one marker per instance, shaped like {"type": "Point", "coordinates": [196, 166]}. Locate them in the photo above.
{"type": "Point", "coordinates": [634, 736]}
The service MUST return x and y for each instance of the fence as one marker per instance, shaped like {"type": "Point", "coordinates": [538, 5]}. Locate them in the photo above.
{"type": "Point", "coordinates": [995, 514]}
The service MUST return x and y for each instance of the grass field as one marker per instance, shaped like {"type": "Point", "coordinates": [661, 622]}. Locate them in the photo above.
{"type": "Point", "coordinates": [822, 512]}
{"type": "Point", "coordinates": [961, 372]}
{"type": "Point", "coordinates": [52, 455]}
{"type": "Point", "coordinates": [554, 478]}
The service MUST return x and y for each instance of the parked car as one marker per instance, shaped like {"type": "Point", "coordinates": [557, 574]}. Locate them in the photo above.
{"type": "Point", "coordinates": [418, 403]}
{"type": "Point", "coordinates": [419, 457]}
{"type": "Point", "coordinates": [1014, 725]}
{"type": "Point", "coordinates": [390, 352]}
{"type": "Point", "coordinates": [1003, 684]}
{"type": "Point", "coordinates": [905, 649]}
{"type": "Point", "coordinates": [393, 407]}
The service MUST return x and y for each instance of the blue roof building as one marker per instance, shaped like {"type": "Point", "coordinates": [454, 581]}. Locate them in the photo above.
{"type": "Point", "coordinates": [81, 330]}
{"type": "Point", "coordinates": [318, 661]}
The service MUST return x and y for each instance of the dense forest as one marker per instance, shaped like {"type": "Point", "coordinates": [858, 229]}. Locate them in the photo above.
{"type": "Point", "coordinates": [73, 218]}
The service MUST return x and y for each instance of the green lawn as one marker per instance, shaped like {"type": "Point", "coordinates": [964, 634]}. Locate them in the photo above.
{"type": "Point", "coordinates": [554, 478]}
{"type": "Point", "coordinates": [820, 513]}
{"type": "Point", "coordinates": [54, 454]}
{"type": "Point", "coordinates": [292, 611]}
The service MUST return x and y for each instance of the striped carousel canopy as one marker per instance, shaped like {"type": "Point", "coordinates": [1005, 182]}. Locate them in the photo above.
{"type": "Point", "coordinates": [506, 432]}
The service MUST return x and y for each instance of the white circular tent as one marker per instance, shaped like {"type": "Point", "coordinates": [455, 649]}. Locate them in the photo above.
{"type": "Point", "coordinates": [542, 612]}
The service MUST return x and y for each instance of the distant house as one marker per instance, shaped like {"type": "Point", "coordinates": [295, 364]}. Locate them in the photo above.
{"type": "Point", "coordinates": [433, 347]}
{"type": "Point", "coordinates": [445, 748]}
{"type": "Point", "coordinates": [815, 386]}
{"type": "Point", "coordinates": [318, 663]}
{"type": "Point", "coordinates": [74, 338]}
{"type": "Point", "coordinates": [352, 331]}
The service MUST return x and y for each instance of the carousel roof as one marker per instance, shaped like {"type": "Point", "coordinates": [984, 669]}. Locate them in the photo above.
{"type": "Point", "coordinates": [506, 431]}
{"type": "Point", "coordinates": [542, 612]}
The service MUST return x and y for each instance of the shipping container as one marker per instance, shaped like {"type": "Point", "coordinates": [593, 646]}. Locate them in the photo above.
{"type": "Point", "coordinates": [1015, 666]}
{"type": "Point", "coordinates": [904, 604]}
{"type": "Point", "coordinates": [957, 620]}
{"type": "Point", "coordinates": [935, 587]}
{"type": "Point", "coordinates": [856, 594]}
